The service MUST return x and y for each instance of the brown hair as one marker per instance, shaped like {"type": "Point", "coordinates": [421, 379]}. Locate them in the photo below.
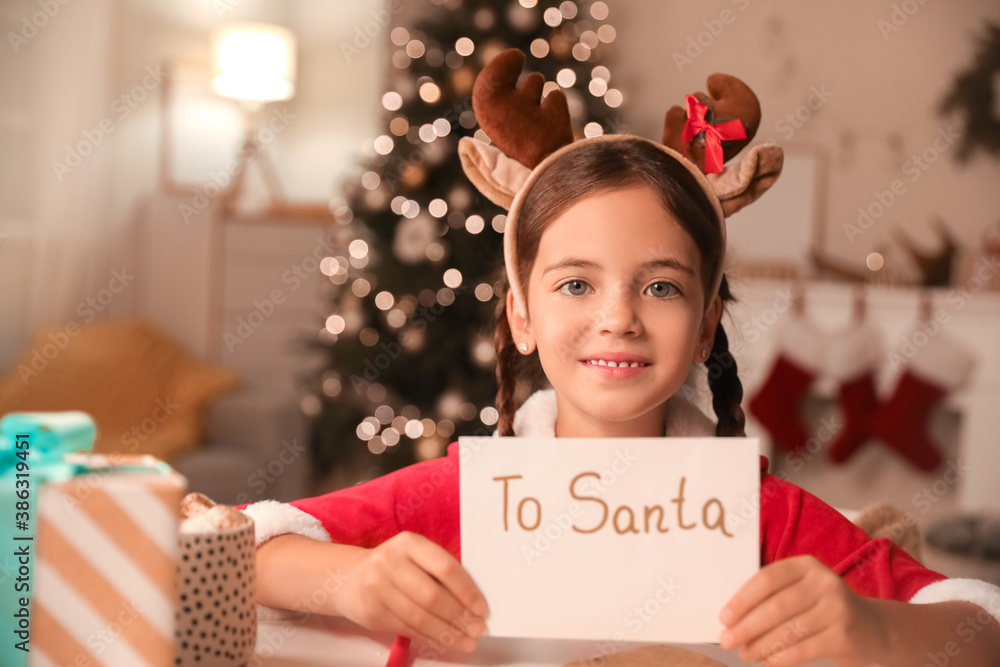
{"type": "Point", "coordinates": [599, 167]}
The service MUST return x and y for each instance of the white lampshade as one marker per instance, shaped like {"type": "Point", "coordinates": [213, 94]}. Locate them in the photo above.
{"type": "Point", "coordinates": [254, 61]}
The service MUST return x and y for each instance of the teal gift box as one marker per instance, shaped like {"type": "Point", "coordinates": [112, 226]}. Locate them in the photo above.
{"type": "Point", "coordinates": [32, 449]}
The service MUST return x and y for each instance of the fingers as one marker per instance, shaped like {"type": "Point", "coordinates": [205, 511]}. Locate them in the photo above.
{"type": "Point", "coordinates": [805, 651]}
{"type": "Point", "coordinates": [780, 615]}
{"type": "Point", "coordinates": [413, 583]}
{"type": "Point", "coordinates": [390, 621]}
{"type": "Point", "coordinates": [792, 612]}
{"type": "Point", "coordinates": [435, 560]}
{"type": "Point", "coordinates": [426, 593]}
{"type": "Point", "coordinates": [409, 618]}
{"type": "Point", "coordinates": [787, 637]}
{"type": "Point", "coordinates": [766, 582]}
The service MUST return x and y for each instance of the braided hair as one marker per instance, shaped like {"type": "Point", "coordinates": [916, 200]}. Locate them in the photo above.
{"type": "Point", "coordinates": [727, 390]}
{"type": "Point", "coordinates": [600, 167]}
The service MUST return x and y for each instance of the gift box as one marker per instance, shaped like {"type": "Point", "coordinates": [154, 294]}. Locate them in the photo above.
{"type": "Point", "coordinates": [32, 446]}
{"type": "Point", "coordinates": [103, 589]}
{"type": "Point", "coordinates": [106, 579]}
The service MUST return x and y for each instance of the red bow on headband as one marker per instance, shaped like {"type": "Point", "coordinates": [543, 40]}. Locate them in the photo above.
{"type": "Point", "coordinates": [714, 134]}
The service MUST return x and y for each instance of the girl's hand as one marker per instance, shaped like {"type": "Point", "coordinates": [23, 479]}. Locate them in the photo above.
{"type": "Point", "coordinates": [797, 610]}
{"type": "Point", "coordinates": [411, 586]}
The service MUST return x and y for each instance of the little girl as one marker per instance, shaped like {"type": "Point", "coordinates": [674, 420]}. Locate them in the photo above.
{"type": "Point", "coordinates": [614, 250]}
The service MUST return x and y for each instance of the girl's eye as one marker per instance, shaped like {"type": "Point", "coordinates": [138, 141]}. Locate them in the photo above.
{"type": "Point", "coordinates": [574, 288]}
{"type": "Point", "coordinates": [662, 290]}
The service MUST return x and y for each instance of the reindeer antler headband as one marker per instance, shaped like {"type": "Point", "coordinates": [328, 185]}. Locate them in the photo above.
{"type": "Point", "coordinates": [529, 135]}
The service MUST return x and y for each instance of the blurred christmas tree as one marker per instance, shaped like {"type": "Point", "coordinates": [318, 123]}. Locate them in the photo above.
{"type": "Point", "coordinates": [409, 335]}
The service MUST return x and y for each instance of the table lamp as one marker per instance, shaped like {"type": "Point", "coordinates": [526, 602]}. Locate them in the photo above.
{"type": "Point", "coordinates": [255, 64]}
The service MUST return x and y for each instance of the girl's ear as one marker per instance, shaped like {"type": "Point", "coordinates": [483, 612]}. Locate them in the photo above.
{"type": "Point", "coordinates": [706, 336]}
{"type": "Point", "coordinates": [520, 328]}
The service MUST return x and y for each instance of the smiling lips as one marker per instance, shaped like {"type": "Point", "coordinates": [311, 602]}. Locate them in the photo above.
{"type": "Point", "coordinates": [616, 364]}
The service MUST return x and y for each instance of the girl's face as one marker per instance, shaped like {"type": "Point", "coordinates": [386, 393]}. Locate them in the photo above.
{"type": "Point", "coordinates": [616, 279]}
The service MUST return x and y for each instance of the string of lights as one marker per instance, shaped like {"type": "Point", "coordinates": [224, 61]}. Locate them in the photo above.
{"type": "Point", "coordinates": [412, 288]}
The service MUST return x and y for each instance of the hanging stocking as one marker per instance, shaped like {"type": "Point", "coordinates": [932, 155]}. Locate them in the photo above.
{"type": "Point", "coordinates": [852, 360]}
{"type": "Point", "coordinates": [939, 366]}
{"type": "Point", "coordinates": [777, 402]}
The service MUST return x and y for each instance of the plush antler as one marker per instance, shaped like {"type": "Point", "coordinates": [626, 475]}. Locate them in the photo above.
{"type": "Point", "coordinates": [728, 99]}
{"type": "Point", "coordinates": [512, 116]}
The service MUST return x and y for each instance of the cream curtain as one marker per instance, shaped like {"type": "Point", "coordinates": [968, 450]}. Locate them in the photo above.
{"type": "Point", "coordinates": [52, 220]}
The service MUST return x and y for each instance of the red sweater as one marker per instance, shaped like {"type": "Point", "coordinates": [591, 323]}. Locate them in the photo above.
{"type": "Point", "coordinates": [424, 498]}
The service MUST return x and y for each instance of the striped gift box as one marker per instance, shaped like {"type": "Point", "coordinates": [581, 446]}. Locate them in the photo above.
{"type": "Point", "coordinates": [105, 578]}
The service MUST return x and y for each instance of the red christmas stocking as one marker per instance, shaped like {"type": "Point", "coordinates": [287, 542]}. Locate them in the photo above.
{"type": "Point", "coordinates": [777, 402]}
{"type": "Point", "coordinates": [936, 367]}
{"type": "Point", "coordinates": [852, 360]}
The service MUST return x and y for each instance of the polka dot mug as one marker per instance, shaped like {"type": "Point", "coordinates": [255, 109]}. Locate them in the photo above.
{"type": "Point", "coordinates": [216, 620]}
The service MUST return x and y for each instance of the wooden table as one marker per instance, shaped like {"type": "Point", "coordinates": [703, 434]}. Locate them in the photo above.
{"type": "Point", "coordinates": [324, 641]}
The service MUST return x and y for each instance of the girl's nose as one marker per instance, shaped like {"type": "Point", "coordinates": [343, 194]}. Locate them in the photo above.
{"type": "Point", "coordinates": [619, 315]}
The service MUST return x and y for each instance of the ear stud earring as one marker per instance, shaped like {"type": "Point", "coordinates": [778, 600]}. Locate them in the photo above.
{"type": "Point", "coordinates": [523, 347]}
{"type": "Point", "coordinates": [704, 354]}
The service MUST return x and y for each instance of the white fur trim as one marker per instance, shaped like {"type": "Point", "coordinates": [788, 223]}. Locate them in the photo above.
{"type": "Point", "coordinates": [853, 352]}
{"type": "Point", "coordinates": [941, 360]}
{"type": "Point", "coordinates": [804, 343]}
{"type": "Point", "coordinates": [272, 518]}
{"type": "Point", "coordinates": [537, 417]}
{"type": "Point", "coordinates": [685, 419]}
{"type": "Point", "coordinates": [980, 593]}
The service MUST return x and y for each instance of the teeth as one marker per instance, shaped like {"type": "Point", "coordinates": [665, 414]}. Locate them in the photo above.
{"type": "Point", "coordinates": [612, 364]}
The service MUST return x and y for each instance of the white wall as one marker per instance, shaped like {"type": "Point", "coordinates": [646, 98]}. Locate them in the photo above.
{"type": "Point", "coordinates": [63, 238]}
{"type": "Point", "coordinates": [885, 91]}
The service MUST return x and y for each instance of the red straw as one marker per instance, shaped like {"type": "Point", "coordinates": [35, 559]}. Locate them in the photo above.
{"type": "Point", "coordinates": [399, 652]}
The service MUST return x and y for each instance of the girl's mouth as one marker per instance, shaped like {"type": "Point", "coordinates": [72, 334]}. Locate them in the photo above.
{"type": "Point", "coordinates": [612, 364]}
{"type": "Point", "coordinates": [615, 369]}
